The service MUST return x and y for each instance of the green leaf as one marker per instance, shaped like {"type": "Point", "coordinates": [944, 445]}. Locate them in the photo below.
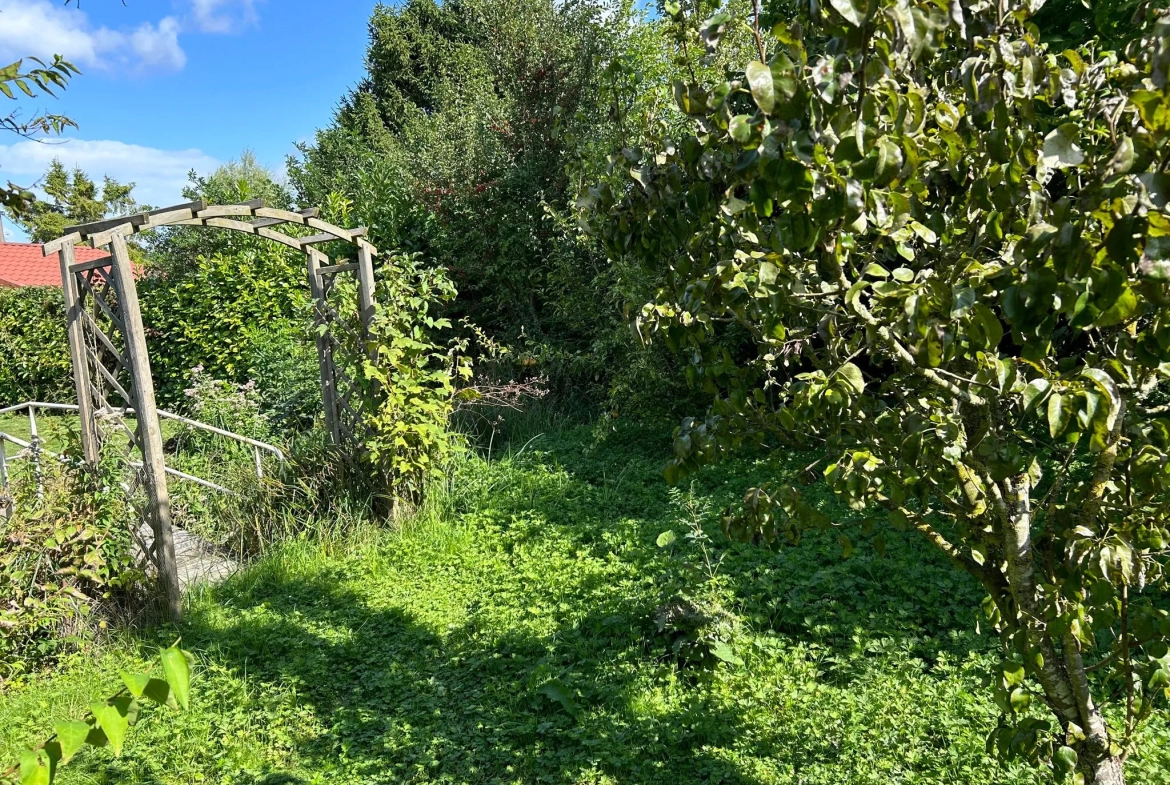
{"type": "Point", "coordinates": [558, 693]}
{"type": "Point", "coordinates": [34, 768]}
{"type": "Point", "coordinates": [666, 539]}
{"type": "Point", "coordinates": [846, 546]}
{"type": "Point", "coordinates": [740, 128]}
{"type": "Point", "coordinates": [160, 692]}
{"type": "Point", "coordinates": [177, 668]}
{"type": "Point", "coordinates": [135, 682]}
{"type": "Point", "coordinates": [784, 77]}
{"type": "Point", "coordinates": [768, 273]}
{"type": "Point", "coordinates": [71, 736]}
{"type": "Point", "coordinates": [852, 376]}
{"type": "Point", "coordinates": [759, 77]}
{"type": "Point", "coordinates": [1124, 307]}
{"type": "Point", "coordinates": [1060, 149]}
{"type": "Point", "coordinates": [855, 16]}
{"type": "Point", "coordinates": [113, 718]}
{"type": "Point", "coordinates": [1058, 415]}
{"type": "Point", "coordinates": [723, 651]}
{"type": "Point", "coordinates": [1064, 760]}
{"type": "Point", "coordinates": [1034, 393]}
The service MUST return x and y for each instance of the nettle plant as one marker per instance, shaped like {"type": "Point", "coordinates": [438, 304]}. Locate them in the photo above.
{"type": "Point", "coordinates": [913, 237]}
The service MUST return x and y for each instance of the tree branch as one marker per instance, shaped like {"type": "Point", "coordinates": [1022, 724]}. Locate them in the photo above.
{"type": "Point", "coordinates": [904, 355]}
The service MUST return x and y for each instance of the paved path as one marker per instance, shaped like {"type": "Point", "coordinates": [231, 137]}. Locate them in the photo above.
{"type": "Point", "coordinates": [197, 560]}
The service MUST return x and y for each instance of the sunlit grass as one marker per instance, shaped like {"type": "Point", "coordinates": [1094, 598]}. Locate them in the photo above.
{"type": "Point", "coordinates": [506, 634]}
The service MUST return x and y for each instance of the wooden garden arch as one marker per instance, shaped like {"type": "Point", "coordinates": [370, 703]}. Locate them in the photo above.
{"type": "Point", "coordinates": [107, 339]}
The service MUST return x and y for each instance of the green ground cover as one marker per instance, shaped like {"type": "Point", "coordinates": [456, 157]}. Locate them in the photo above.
{"type": "Point", "coordinates": [514, 637]}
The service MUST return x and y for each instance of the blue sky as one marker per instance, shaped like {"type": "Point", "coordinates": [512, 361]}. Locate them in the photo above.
{"type": "Point", "coordinates": [170, 85]}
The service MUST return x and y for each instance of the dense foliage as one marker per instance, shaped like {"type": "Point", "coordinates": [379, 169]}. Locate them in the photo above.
{"type": "Point", "coordinates": [66, 551]}
{"type": "Point", "coordinates": [467, 142]}
{"type": "Point", "coordinates": [34, 346]}
{"type": "Point", "coordinates": [945, 246]}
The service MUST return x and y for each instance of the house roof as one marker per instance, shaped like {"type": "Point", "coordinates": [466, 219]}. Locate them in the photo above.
{"type": "Point", "coordinates": [24, 264]}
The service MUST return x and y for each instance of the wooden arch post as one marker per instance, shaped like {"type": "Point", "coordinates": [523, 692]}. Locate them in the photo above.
{"type": "Point", "coordinates": [104, 329]}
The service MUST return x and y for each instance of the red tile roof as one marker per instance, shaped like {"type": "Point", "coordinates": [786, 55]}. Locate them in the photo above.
{"type": "Point", "coordinates": [24, 264]}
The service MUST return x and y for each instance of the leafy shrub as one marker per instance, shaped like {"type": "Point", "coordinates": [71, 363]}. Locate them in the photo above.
{"type": "Point", "coordinates": [208, 315]}
{"type": "Point", "coordinates": [62, 557]}
{"type": "Point", "coordinates": [285, 368]}
{"type": "Point", "coordinates": [407, 385]}
{"type": "Point", "coordinates": [466, 142]}
{"type": "Point", "coordinates": [948, 247]}
{"type": "Point", "coordinates": [34, 346]}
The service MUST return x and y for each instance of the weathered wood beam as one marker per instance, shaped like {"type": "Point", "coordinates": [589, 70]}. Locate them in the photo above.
{"type": "Point", "coordinates": [89, 229]}
{"type": "Point", "coordinates": [105, 261]}
{"type": "Point", "coordinates": [76, 331]}
{"type": "Point", "coordinates": [154, 467]}
{"type": "Point", "coordinates": [73, 238]}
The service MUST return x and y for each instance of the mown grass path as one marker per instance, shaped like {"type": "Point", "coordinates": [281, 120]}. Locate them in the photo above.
{"type": "Point", "coordinates": [514, 640]}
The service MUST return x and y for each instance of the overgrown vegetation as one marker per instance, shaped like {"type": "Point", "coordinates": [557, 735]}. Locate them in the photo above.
{"type": "Point", "coordinates": [911, 253]}
{"type": "Point", "coordinates": [511, 633]}
{"type": "Point", "coordinates": [951, 281]}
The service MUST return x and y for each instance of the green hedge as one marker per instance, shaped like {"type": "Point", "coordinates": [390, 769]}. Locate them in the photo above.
{"type": "Point", "coordinates": [34, 350]}
{"type": "Point", "coordinates": [240, 317]}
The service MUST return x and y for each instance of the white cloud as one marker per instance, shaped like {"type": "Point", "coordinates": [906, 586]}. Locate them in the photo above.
{"type": "Point", "coordinates": [44, 28]}
{"type": "Point", "coordinates": [223, 16]}
{"type": "Point", "coordinates": [159, 175]}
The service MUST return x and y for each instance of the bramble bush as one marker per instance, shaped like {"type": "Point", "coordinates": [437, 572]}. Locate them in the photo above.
{"type": "Point", "coordinates": [913, 238]}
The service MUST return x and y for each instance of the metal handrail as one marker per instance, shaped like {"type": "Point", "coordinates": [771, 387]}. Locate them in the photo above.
{"type": "Point", "coordinates": [37, 449]}
{"type": "Point", "coordinates": [72, 407]}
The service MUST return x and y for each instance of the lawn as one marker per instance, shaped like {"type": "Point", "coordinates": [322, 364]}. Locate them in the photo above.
{"type": "Point", "coordinates": [527, 633]}
{"type": "Point", "coordinates": [53, 428]}
{"type": "Point", "coordinates": [57, 429]}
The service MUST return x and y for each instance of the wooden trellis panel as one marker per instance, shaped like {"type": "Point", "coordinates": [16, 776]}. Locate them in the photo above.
{"type": "Point", "coordinates": [342, 335]}
{"type": "Point", "coordinates": [108, 346]}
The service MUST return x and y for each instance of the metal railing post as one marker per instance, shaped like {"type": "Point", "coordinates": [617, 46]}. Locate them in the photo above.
{"type": "Point", "coordinates": [5, 492]}
{"type": "Point", "coordinates": [35, 441]}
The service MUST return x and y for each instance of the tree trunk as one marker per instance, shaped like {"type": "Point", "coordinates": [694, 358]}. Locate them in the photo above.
{"type": "Point", "coordinates": [1064, 679]}
{"type": "Point", "coordinates": [1107, 771]}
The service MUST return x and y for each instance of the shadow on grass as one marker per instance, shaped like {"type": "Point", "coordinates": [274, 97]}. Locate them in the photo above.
{"type": "Point", "coordinates": [529, 671]}
{"type": "Point", "coordinates": [401, 703]}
